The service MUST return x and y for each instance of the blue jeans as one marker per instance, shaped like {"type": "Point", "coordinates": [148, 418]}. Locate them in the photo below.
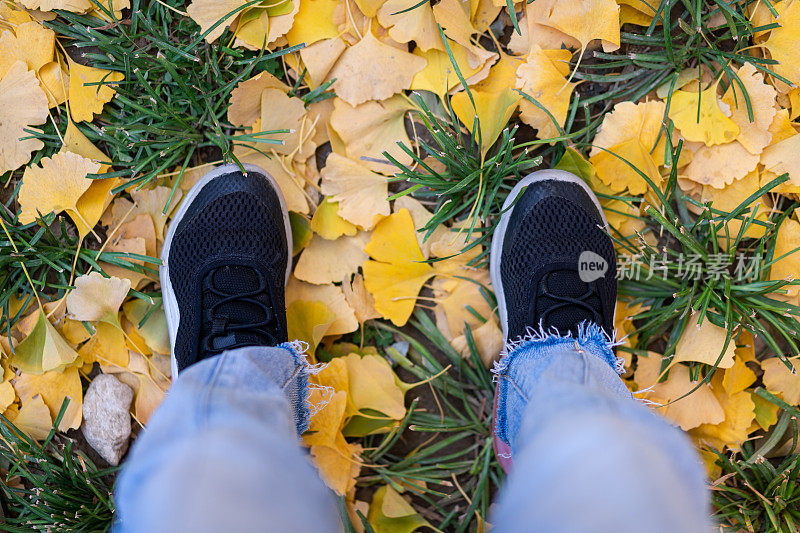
{"type": "Point", "coordinates": [222, 454]}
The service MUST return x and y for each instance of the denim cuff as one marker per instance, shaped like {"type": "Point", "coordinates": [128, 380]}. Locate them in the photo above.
{"type": "Point", "coordinates": [526, 358]}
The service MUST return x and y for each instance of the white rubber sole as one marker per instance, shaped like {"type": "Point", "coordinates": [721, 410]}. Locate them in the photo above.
{"type": "Point", "coordinates": [500, 232]}
{"type": "Point", "coordinates": [168, 293]}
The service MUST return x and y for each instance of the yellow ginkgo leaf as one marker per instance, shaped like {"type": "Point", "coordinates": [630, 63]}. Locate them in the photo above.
{"type": "Point", "coordinates": [766, 412]}
{"type": "Point", "coordinates": [338, 466]}
{"type": "Point", "coordinates": [29, 42]}
{"type": "Point", "coordinates": [704, 343]}
{"type": "Point", "coordinates": [618, 167]}
{"type": "Point", "coordinates": [373, 386]}
{"type": "Point", "coordinates": [44, 349]}
{"type": "Point", "coordinates": [313, 22]}
{"type": "Point", "coordinates": [629, 122]}
{"type": "Point", "coordinates": [372, 70]}
{"type": "Point", "coordinates": [154, 329]}
{"type": "Point", "coordinates": [57, 185]}
{"type": "Point", "coordinates": [542, 77]}
{"type": "Point", "coordinates": [7, 395]}
{"type": "Point", "coordinates": [390, 512]}
{"type": "Point", "coordinates": [282, 112]}
{"type": "Point", "coordinates": [699, 407]}
{"type": "Point", "coordinates": [245, 106]}
{"type": "Point", "coordinates": [699, 117]}
{"type": "Point", "coordinates": [330, 295]}
{"type": "Point", "coordinates": [148, 393]}
{"type": "Point", "coordinates": [753, 135]}
{"type": "Point", "coordinates": [53, 80]}
{"type": "Point", "coordinates": [416, 25]}
{"type": "Point", "coordinates": [19, 85]}
{"type": "Point", "coordinates": [494, 101]}
{"type": "Point", "coordinates": [327, 223]}
{"type": "Point", "coordinates": [152, 202]}
{"type": "Point", "coordinates": [326, 261]}
{"type": "Point", "coordinates": [787, 257]}
{"type": "Point", "coordinates": [258, 27]}
{"type": "Point", "coordinates": [206, 13]}
{"type": "Point", "coordinates": [739, 415]}
{"type": "Point", "coordinates": [54, 387]}
{"type": "Point", "coordinates": [106, 347]}
{"type": "Point", "coordinates": [360, 299]}
{"type": "Point", "coordinates": [326, 424]}
{"type": "Point", "coordinates": [89, 89]}
{"type": "Point", "coordinates": [397, 271]}
{"type": "Point", "coordinates": [320, 57]}
{"type": "Point", "coordinates": [361, 193]}
{"type": "Point", "coordinates": [439, 76]}
{"type": "Point", "coordinates": [97, 298]}
{"type": "Point", "coordinates": [488, 339]}
{"type": "Point", "coordinates": [370, 129]}
{"type": "Point", "coordinates": [308, 322]}
{"type": "Point", "coordinates": [782, 43]}
{"type": "Point", "coordinates": [457, 298]}
{"type": "Point", "coordinates": [34, 418]}
{"type": "Point", "coordinates": [719, 165]}
{"type": "Point", "coordinates": [587, 20]}
{"type": "Point", "coordinates": [76, 6]}
{"type": "Point", "coordinates": [778, 379]}
{"type": "Point", "coordinates": [781, 157]}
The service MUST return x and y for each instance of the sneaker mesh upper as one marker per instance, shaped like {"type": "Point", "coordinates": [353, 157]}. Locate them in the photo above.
{"type": "Point", "coordinates": [554, 231]}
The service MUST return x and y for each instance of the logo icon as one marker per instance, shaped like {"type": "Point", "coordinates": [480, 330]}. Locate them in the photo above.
{"type": "Point", "coordinates": [591, 266]}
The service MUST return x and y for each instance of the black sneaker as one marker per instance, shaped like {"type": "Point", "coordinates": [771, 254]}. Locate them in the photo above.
{"type": "Point", "coordinates": [226, 261]}
{"type": "Point", "coordinates": [552, 259]}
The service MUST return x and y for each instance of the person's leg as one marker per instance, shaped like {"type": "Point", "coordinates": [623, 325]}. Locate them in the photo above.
{"type": "Point", "coordinates": [586, 455]}
{"type": "Point", "coordinates": [583, 455]}
{"type": "Point", "coordinates": [221, 453]}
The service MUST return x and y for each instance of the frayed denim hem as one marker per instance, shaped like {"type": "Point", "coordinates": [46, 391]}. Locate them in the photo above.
{"type": "Point", "coordinates": [539, 345]}
{"type": "Point", "coordinates": [298, 389]}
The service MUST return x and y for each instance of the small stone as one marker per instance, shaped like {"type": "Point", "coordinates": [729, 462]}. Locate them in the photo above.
{"type": "Point", "coordinates": [107, 420]}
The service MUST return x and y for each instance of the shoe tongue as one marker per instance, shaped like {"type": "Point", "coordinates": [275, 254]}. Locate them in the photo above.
{"type": "Point", "coordinates": [567, 284]}
{"type": "Point", "coordinates": [232, 280]}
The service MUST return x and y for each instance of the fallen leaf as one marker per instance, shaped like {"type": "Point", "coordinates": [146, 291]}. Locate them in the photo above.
{"type": "Point", "coordinates": [54, 386]}
{"type": "Point", "coordinates": [543, 78]}
{"type": "Point", "coordinates": [327, 223]}
{"type": "Point", "coordinates": [245, 102]}
{"type": "Point", "coordinates": [787, 255]}
{"type": "Point", "coordinates": [373, 386]}
{"type": "Point", "coordinates": [359, 298]}
{"type": "Point", "coordinates": [719, 165]}
{"type": "Point", "coordinates": [778, 379]}
{"type": "Point", "coordinates": [361, 193]}
{"type": "Point", "coordinates": [753, 135]}
{"type": "Point", "coordinates": [308, 322]}
{"type": "Point", "coordinates": [699, 407]}
{"type": "Point", "coordinates": [587, 20]}
{"type": "Point", "coordinates": [390, 513]}
{"type": "Point", "coordinates": [372, 70]}
{"type": "Point", "coordinates": [782, 43]}
{"type": "Point", "coordinates": [704, 343]}
{"type": "Point", "coordinates": [34, 418]}
{"type": "Point", "coordinates": [325, 261]}
{"type": "Point", "coordinates": [416, 25]}
{"type": "Point", "coordinates": [699, 117]}
{"type": "Point", "coordinates": [494, 101]}
{"type": "Point", "coordinates": [19, 85]}
{"type": "Point", "coordinates": [488, 339]}
{"type": "Point", "coordinates": [43, 350]}
{"type": "Point", "coordinates": [313, 22]}
{"type": "Point", "coordinates": [397, 271]}
{"type": "Point", "coordinates": [57, 185]}
{"type": "Point", "coordinates": [206, 13]}
{"type": "Point", "coordinates": [370, 129]}
{"type": "Point", "coordinates": [97, 298]}
{"type": "Point", "coordinates": [85, 99]}
{"type": "Point", "coordinates": [330, 295]}
{"type": "Point", "coordinates": [632, 131]}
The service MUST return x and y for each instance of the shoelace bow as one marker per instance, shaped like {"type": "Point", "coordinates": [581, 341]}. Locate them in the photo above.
{"type": "Point", "coordinates": [221, 324]}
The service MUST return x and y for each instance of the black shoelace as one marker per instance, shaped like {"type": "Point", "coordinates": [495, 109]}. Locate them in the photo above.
{"type": "Point", "coordinates": [228, 330]}
{"type": "Point", "coordinates": [565, 301]}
